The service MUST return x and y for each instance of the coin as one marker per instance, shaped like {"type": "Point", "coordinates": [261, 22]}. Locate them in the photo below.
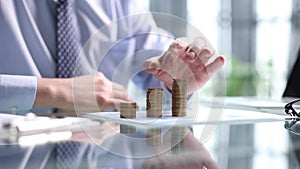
{"type": "Point", "coordinates": [154, 114]}
{"type": "Point", "coordinates": [128, 110]}
{"type": "Point", "coordinates": [179, 93]}
{"type": "Point", "coordinates": [153, 137]}
{"type": "Point", "coordinates": [125, 129]}
{"type": "Point", "coordinates": [177, 140]}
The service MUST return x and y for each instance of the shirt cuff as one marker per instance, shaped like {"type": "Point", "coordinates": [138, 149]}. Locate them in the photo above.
{"type": "Point", "coordinates": [17, 93]}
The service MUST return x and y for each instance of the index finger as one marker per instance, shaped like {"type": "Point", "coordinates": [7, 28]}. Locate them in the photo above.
{"type": "Point", "coordinates": [202, 49]}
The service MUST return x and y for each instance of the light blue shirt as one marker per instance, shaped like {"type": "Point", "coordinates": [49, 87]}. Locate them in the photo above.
{"type": "Point", "coordinates": [28, 44]}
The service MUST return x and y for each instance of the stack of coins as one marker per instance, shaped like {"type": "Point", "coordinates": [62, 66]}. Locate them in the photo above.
{"type": "Point", "coordinates": [177, 140]}
{"type": "Point", "coordinates": [179, 101]}
{"type": "Point", "coordinates": [153, 137]}
{"type": "Point", "coordinates": [128, 110]}
{"type": "Point", "coordinates": [154, 102]}
{"type": "Point", "coordinates": [125, 129]}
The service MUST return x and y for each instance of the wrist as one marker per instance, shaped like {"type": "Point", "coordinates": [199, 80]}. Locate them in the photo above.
{"type": "Point", "coordinates": [53, 93]}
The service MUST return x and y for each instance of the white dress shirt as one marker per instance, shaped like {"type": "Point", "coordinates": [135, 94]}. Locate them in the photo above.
{"type": "Point", "coordinates": [28, 44]}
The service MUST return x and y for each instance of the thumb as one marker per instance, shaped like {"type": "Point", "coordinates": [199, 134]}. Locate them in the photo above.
{"type": "Point", "coordinates": [152, 65]}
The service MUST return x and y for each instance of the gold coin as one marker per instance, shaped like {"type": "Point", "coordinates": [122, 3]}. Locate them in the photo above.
{"type": "Point", "coordinates": [153, 137]}
{"type": "Point", "coordinates": [128, 104]}
{"type": "Point", "coordinates": [154, 115]}
{"type": "Point", "coordinates": [158, 89]}
{"type": "Point", "coordinates": [125, 129]}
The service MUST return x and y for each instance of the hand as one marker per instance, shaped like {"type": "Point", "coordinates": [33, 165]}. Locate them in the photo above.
{"type": "Point", "coordinates": [191, 160]}
{"type": "Point", "coordinates": [181, 61]}
{"type": "Point", "coordinates": [192, 155]}
{"type": "Point", "coordinates": [96, 135]}
{"type": "Point", "coordinates": [88, 93]}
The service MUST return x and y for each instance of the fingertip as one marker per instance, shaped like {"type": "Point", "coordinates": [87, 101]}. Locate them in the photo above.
{"type": "Point", "coordinates": [117, 105]}
{"type": "Point", "coordinates": [151, 64]}
{"type": "Point", "coordinates": [191, 54]}
{"type": "Point", "coordinates": [219, 61]}
{"type": "Point", "coordinates": [216, 65]}
{"type": "Point", "coordinates": [146, 64]}
{"type": "Point", "coordinates": [152, 70]}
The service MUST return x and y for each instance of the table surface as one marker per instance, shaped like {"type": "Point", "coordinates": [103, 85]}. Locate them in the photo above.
{"type": "Point", "coordinates": [272, 144]}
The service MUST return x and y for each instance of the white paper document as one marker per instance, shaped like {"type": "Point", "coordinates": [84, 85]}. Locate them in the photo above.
{"type": "Point", "coordinates": [43, 124]}
{"type": "Point", "coordinates": [32, 130]}
{"type": "Point", "coordinates": [247, 103]}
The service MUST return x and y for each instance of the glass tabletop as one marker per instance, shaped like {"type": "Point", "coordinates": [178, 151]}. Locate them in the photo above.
{"type": "Point", "coordinates": [110, 145]}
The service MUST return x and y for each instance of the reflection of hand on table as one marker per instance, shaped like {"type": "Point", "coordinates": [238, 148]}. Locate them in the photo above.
{"type": "Point", "coordinates": [96, 135]}
{"type": "Point", "coordinates": [183, 61]}
{"type": "Point", "coordinates": [192, 160]}
{"type": "Point", "coordinates": [194, 155]}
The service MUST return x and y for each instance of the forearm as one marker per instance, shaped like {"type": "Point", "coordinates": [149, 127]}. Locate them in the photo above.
{"type": "Point", "coordinates": [53, 93]}
{"type": "Point", "coordinates": [87, 93]}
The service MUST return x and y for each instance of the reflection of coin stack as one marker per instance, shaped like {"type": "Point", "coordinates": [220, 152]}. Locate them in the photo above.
{"type": "Point", "coordinates": [179, 102]}
{"type": "Point", "coordinates": [153, 137]}
{"type": "Point", "coordinates": [128, 110]}
{"type": "Point", "coordinates": [177, 139]}
{"type": "Point", "coordinates": [154, 102]}
{"type": "Point", "coordinates": [125, 129]}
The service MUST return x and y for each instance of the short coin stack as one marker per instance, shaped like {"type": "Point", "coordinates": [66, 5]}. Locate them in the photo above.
{"type": "Point", "coordinates": [154, 102]}
{"type": "Point", "coordinates": [179, 101]}
{"type": "Point", "coordinates": [125, 129]}
{"type": "Point", "coordinates": [128, 110]}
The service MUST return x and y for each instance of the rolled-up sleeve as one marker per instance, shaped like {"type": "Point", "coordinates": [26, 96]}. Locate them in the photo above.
{"type": "Point", "coordinates": [17, 93]}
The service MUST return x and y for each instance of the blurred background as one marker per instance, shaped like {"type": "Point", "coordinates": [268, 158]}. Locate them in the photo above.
{"type": "Point", "coordinates": [260, 40]}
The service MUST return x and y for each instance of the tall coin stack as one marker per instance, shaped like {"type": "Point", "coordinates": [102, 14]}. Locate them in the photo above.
{"type": "Point", "coordinates": [153, 137]}
{"type": "Point", "coordinates": [177, 140]}
{"type": "Point", "coordinates": [154, 102]}
{"type": "Point", "coordinates": [128, 110]}
{"type": "Point", "coordinates": [179, 101]}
